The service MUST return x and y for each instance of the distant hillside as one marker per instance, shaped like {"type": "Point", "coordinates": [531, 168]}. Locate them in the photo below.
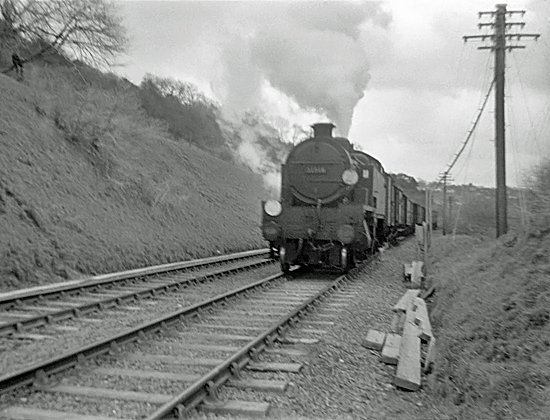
{"type": "Point", "coordinates": [410, 186]}
{"type": "Point", "coordinates": [471, 209]}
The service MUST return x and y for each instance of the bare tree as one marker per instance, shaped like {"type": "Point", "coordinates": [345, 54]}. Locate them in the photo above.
{"type": "Point", "coordinates": [87, 30]}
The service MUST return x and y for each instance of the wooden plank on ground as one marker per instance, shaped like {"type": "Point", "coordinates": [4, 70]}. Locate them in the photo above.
{"type": "Point", "coordinates": [112, 394]}
{"type": "Point", "coordinates": [375, 340]}
{"type": "Point", "coordinates": [403, 303]}
{"type": "Point", "coordinates": [232, 328]}
{"type": "Point", "coordinates": [263, 385]}
{"type": "Point", "coordinates": [149, 374]}
{"type": "Point", "coordinates": [36, 337]}
{"type": "Point", "coordinates": [162, 358]}
{"type": "Point", "coordinates": [423, 320]}
{"type": "Point", "coordinates": [293, 340]}
{"type": "Point", "coordinates": [325, 323]}
{"type": "Point", "coordinates": [213, 335]}
{"type": "Point", "coordinates": [390, 351]}
{"type": "Point", "coordinates": [17, 314]}
{"type": "Point", "coordinates": [408, 367]}
{"type": "Point", "coordinates": [194, 346]}
{"type": "Point", "coordinates": [275, 367]}
{"type": "Point", "coordinates": [36, 308]}
{"type": "Point", "coordinates": [238, 408]}
{"type": "Point", "coordinates": [64, 328]}
{"type": "Point", "coordinates": [286, 352]}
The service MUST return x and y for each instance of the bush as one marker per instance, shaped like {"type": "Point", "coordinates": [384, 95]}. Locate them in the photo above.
{"type": "Point", "coordinates": [194, 120]}
{"type": "Point", "coordinates": [92, 118]}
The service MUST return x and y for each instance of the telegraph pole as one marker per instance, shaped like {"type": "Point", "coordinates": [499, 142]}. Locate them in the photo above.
{"type": "Point", "coordinates": [499, 45]}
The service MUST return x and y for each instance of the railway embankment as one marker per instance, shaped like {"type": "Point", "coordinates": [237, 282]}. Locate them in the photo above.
{"type": "Point", "coordinates": [491, 314]}
{"type": "Point", "coordinates": [90, 185]}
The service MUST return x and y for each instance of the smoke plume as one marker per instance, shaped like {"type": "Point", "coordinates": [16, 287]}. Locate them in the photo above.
{"type": "Point", "coordinates": [311, 52]}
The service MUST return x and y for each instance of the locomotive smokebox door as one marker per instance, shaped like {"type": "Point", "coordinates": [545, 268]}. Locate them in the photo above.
{"type": "Point", "coordinates": [315, 167]}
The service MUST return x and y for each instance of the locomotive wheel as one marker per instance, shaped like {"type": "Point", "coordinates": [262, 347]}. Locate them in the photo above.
{"type": "Point", "coordinates": [285, 266]}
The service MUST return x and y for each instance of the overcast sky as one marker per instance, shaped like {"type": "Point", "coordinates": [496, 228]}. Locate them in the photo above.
{"type": "Point", "coordinates": [396, 76]}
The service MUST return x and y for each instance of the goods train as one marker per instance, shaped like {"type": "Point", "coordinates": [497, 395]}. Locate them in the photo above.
{"type": "Point", "coordinates": [337, 205]}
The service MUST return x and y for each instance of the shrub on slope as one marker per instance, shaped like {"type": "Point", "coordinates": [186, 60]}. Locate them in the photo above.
{"type": "Point", "coordinates": [89, 184]}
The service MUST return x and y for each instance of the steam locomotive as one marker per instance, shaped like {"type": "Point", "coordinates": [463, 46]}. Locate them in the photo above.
{"type": "Point", "coordinates": [337, 205]}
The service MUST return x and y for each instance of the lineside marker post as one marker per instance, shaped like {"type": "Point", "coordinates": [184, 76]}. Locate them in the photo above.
{"type": "Point", "coordinates": [427, 225]}
{"type": "Point", "coordinates": [419, 234]}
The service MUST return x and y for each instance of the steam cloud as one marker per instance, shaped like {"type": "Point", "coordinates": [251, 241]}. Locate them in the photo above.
{"type": "Point", "coordinates": [300, 62]}
{"type": "Point", "coordinates": [311, 52]}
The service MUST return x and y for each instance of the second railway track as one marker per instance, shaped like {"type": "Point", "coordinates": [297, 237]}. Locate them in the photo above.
{"type": "Point", "coordinates": [20, 312]}
{"type": "Point", "coordinates": [178, 362]}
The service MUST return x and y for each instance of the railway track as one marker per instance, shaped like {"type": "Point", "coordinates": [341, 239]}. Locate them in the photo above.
{"type": "Point", "coordinates": [20, 312]}
{"type": "Point", "coordinates": [180, 361]}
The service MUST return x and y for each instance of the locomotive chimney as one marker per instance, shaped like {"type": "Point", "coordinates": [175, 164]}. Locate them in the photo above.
{"type": "Point", "coordinates": [322, 129]}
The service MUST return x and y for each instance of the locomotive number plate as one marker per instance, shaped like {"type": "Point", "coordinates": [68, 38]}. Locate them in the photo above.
{"type": "Point", "coordinates": [316, 170]}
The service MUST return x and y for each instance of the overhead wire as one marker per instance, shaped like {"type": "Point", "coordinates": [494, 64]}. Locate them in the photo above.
{"type": "Point", "coordinates": [472, 129]}
{"type": "Point", "coordinates": [482, 87]}
{"type": "Point", "coordinates": [483, 102]}
{"type": "Point", "coordinates": [470, 136]}
{"type": "Point", "coordinates": [466, 165]}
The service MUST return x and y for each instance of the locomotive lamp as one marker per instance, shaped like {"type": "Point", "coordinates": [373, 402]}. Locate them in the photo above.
{"type": "Point", "coordinates": [273, 208]}
{"type": "Point", "coordinates": [350, 177]}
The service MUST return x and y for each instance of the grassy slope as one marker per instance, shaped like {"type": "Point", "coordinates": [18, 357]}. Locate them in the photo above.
{"type": "Point", "coordinates": [492, 322]}
{"type": "Point", "coordinates": [68, 208]}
